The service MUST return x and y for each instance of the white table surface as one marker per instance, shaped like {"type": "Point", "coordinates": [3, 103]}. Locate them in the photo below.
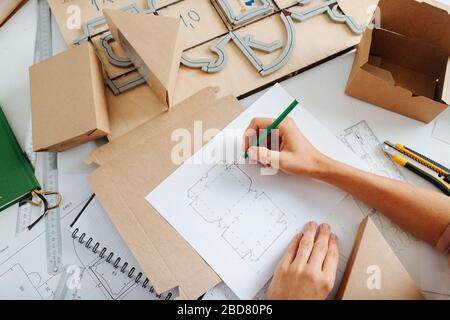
{"type": "Point", "coordinates": [320, 90]}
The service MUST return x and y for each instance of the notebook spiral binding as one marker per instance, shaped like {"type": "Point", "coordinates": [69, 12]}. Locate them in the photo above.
{"type": "Point", "coordinates": [116, 262]}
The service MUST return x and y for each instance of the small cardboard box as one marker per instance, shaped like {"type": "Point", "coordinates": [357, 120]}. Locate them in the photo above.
{"type": "Point", "coordinates": [404, 65]}
{"type": "Point", "coordinates": [374, 272]}
{"type": "Point", "coordinates": [68, 101]}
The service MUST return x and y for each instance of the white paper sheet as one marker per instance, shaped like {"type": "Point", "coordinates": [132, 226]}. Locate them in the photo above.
{"type": "Point", "coordinates": [238, 220]}
{"type": "Point", "coordinates": [441, 130]}
{"type": "Point", "coordinates": [23, 264]}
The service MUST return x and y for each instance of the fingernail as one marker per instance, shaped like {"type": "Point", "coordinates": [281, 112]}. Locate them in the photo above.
{"type": "Point", "coordinates": [325, 227]}
{"type": "Point", "coordinates": [312, 224]}
{"type": "Point", "coordinates": [334, 237]}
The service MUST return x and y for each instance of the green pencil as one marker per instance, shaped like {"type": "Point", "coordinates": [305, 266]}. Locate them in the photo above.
{"type": "Point", "coordinates": [273, 126]}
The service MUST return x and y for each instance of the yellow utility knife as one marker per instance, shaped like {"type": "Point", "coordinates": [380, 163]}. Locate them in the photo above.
{"type": "Point", "coordinates": [415, 162]}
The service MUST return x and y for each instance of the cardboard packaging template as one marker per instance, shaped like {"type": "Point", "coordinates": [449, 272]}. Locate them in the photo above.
{"type": "Point", "coordinates": [404, 66]}
{"type": "Point", "coordinates": [132, 166]}
{"type": "Point", "coordinates": [372, 254]}
{"type": "Point", "coordinates": [153, 44]}
{"type": "Point", "coordinates": [335, 39]}
{"type": "Point", "coordinates": [68, 101]}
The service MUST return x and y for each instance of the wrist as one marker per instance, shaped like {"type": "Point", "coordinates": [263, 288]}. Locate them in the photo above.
{"type": "Point", "coordinates": [323, 167]}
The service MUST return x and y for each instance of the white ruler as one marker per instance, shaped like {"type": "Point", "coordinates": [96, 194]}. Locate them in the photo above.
{"type": "Point", "coordinates": [45, 164]}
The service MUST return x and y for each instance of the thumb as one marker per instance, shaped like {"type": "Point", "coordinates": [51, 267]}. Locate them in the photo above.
{"type": "Point", "coordinates": [264, 156]}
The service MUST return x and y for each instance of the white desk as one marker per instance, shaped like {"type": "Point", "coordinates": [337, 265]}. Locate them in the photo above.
{"type": "Point", "coordinates": [320, 90]}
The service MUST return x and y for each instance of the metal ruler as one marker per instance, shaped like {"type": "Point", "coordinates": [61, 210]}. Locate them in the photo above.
{"type": "Point", "coordinates": [69, 283]}
{"type": "Point", "coordinates": [45, 163]}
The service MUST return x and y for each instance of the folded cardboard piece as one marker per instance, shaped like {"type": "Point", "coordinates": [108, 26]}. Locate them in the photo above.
{"type": "Point", "coordinates": [7, 8]}
{"type": "Point", "coordinates": [72, 15]}
{"type": "Point", "coordinates": [68, 102]}
{"type": "Point", "coordinates": [136, 163]}
{"type": "Point", "coordinates": [373, 270]}
{"type": "Point", "coordinates": [153, 44]}
{"type": "Point", "coordinates": [405, 65]}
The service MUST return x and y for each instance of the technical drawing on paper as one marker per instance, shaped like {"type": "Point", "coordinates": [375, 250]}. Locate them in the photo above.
{"type": "Point", "coordinates": [364, 143]}
{"type": "Point", "coordinates": [110, 281]}
{"type": "Point", "coordinates": [23, 267]}
{"type": "Point", "coordinates": [236, 212]}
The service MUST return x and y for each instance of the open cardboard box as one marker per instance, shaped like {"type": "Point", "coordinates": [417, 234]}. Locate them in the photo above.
{"type": "Point", "coordinates": [404, 66]}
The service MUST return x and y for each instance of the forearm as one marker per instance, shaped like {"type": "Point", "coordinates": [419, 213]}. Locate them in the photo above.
{"type": "Point", "coordinates": [424, 213]}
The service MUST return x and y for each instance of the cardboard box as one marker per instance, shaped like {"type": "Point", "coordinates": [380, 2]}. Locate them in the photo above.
{"type": "Point", "coordinates": [153, 44]}
{"type": "Point", "coordinates": [404, 66]}
{"type": "Point", "coordinates": [133, 165]}
{"type": "Point", "coordinates": [68, 101]}
{"type": "Point", "coordinates": [374, 272]}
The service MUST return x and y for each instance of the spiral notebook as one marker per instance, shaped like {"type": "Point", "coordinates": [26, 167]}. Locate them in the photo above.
{"type": "Point", "coordinates": [108, 259]}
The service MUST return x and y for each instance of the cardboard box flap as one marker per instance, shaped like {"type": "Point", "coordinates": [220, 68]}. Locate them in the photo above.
{"type": "Point", "coordinates": [153, 44]}
{"type": "Point", "coordinates": [446, 90]}
{"type": "Point", "coordinates": [374, 272]}
{"type": "Point", "coordinates": [361, 11]}
{"type": "Point", "coordinates": [419, 20]}
{"type": "Point", "coordinates": [136, 163]}
{"type": "Point", "coordinates": [362, 54]}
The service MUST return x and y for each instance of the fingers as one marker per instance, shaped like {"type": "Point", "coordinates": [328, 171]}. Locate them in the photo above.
{"type": "Point", "coordinates": [320, 248]}
{"type": "Point", "coordinates": [264, 156]}
{"type": "Point", "coordinates": [331, 261]}
{"type": "Point", "coordinates": [253, 129]}
{"type": "Point", "coordinates": [291, 252]}
{"type": "Point", "coordinates": [306, 245]}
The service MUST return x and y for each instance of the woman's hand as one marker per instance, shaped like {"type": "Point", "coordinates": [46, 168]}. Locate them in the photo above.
{"type": "Point", "coordinates": [308, 268]}
{"type": "Point", "coordinates": [296, 155]}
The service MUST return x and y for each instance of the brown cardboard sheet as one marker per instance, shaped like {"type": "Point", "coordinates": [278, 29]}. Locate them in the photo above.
{"type": "Point", "coordinates": [67, 11]}
{"type": "Point", "coordinates": [136, 163]}
{"type": "Point", "coordinates": [131, 109]}
{"type": "Point", "coordinates": [154, 45]}
{"type": "Point", "coordinates": [361, 11]}
{"type": "Point", "coordinates": [373, 270]}
{"type": "Point", "coordinates": [200, 21]}
{"type": "Point", "coordinates": [316, 40]}
{"type": "Point", "coordinates": [68, 102]}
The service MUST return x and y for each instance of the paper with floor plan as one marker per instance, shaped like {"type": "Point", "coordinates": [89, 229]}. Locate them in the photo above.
{"type": "Point", "coordinates": [238, 220]}
{"type": "Point", "coordinates": [23, 263]}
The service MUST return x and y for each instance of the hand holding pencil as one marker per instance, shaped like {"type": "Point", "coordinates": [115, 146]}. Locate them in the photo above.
{"type": "Point", "coordinates": [296, 155]}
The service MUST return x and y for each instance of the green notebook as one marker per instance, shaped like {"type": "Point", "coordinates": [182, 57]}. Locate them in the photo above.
{"type": "Point", "coordinates": [17, 179]}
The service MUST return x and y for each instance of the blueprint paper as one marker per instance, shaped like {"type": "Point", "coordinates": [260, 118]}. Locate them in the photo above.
{"type": "Point", "coordinates": [23, 264]}
{"type": "Point", "coordinates": [239, 221]}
